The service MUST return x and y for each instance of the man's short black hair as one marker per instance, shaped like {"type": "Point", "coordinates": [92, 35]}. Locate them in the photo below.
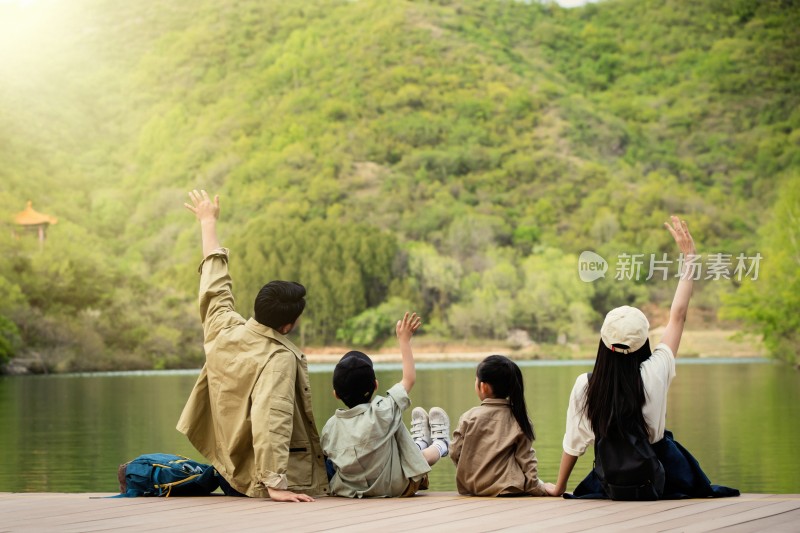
{"type": "Point", "coordinates": [279, 303]}
{"type": "Point", "coordinates": [354, 379]}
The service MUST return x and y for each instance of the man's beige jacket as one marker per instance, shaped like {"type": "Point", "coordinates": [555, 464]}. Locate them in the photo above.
{"type": "Point", "coordinates": [250, 411]}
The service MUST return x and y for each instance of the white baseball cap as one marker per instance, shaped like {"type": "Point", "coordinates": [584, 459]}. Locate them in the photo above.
{"type": "Point", "coordinates": [627, 326]}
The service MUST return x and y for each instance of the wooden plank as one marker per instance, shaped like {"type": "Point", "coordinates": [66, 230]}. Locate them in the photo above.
{"type": "Point", "coordinates": [178, 511]}
{"type": "Point", "coordinates": [556, 509]}
{"type": "Point", "coordinates": [366, 515]}
{"type": "Point", "coordinates": [582, 513]}
{"type": "Point", "coordinates": [390, 512]}
{"type": "Point", "coordinates": [441, 511]}
{"type": "Point", "coordinates": [701, 510]}
{"type": "Point", "coordinates": [478, 515]}
{"type": "Point", "coordinates": [621, 516]}
{"type": "Point", "coordinates": [672, 512]}
{"type": "Point", "coordinates": [503, 513]}
{"type": "Point", "coordinates": [784, 522]}
{"type": "Point", "coordinates": [736, 517]}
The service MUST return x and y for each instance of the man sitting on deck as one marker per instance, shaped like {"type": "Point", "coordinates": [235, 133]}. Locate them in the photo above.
{"type": "Point", "coordinates": [250, 411]}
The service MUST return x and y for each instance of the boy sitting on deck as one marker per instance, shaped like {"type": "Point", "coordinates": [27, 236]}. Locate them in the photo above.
{"type": "Point", "coordinates": [371, 452]}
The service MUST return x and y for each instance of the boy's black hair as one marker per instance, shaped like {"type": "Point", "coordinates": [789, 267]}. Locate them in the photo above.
{"type": "Point", "coordinates": [279, 303]}
{"type": "Point", "coordinates": [354, 379]}
{"type": "Point", "coordinates": [505, 377]}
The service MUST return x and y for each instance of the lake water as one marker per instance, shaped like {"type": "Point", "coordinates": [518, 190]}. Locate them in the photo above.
{"type": "Point", "coordinates": [741, 420]}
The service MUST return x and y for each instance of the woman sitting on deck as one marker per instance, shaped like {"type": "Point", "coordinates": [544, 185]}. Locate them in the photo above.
{"type": "Point", "coordinates": [621, 407]}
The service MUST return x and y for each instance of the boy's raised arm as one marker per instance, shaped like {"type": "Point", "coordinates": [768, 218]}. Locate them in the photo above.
{"type": "Point", "coordinates": [405, 330]}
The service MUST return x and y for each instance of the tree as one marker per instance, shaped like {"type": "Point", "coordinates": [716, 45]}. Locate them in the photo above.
{"type": "Point", "coordinates": [375, 325]}
{"type": "Point", "coordinates": [9, 339]}
{"type": "Point", "coordinates": [770, 305]}
{"type": "Point", "coordinates": [553, 303]}
{"type": "Point", "coordinates": [345, 267]}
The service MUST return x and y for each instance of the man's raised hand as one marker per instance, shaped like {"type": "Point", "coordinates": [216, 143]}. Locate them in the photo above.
{"type": "Point", "coordinates": [202, 206]}
{"type": "Point", "coordinates": [207, 213]}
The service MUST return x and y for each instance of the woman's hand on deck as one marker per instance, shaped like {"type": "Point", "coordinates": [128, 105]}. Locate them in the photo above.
{"type": "Point", "coordinates": [552, 490]}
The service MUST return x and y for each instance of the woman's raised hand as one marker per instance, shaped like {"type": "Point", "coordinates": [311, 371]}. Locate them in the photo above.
{"type": "Point", "coordinates": [680, 232]}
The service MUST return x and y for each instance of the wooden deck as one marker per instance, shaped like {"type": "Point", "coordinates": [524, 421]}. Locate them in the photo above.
{"type": "Point", "coordinates": [436, 511]}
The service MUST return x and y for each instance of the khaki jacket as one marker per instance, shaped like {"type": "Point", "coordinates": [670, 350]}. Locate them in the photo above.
{"type": "Point", "coordinates": [250, 411]}
{"type": "Point", "coordinates": [492, 455]}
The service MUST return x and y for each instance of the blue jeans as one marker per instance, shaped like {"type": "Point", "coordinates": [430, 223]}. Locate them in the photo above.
{"type": "Point", "coordinates": [684, 477]}
{"type": "Point", "coordinates": [227, 489]}
{"type": "Point", "coordinates": [329, 468]}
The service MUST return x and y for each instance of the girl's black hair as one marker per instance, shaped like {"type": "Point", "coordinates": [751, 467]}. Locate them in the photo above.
{"type": "Point", "coordinates": [505, 378]}
{"type": "Point", "coordinates": [615, 395]}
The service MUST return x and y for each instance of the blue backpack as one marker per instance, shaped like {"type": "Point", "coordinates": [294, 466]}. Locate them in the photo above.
{"type": "Point", "coordinates": [163, 474]}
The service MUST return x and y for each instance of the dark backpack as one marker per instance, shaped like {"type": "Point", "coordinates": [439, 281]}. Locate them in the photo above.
{"type": "Point", "coordinates": [628, 466]}
{"type": "Point", "coordinates": [163, 474]}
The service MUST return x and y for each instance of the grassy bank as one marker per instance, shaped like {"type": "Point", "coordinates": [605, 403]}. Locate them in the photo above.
{"type": "Point", "coordinates": [707, 343]}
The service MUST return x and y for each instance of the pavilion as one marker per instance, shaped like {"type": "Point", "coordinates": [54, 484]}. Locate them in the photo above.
{"type": "Point", "coordinates": [33, 221]}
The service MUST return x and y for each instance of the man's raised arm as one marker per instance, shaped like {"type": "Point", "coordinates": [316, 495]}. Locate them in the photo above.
{"type": "Point", "coordinates": [207, 213]}
{"type": "Point", "coordinates": [215, 295]}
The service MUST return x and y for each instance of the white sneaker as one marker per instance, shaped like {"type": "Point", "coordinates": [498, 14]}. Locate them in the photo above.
{"type": "Point", "coordinates": [440, 428]}
{"type": "Point", "coordinates": [420, 427]}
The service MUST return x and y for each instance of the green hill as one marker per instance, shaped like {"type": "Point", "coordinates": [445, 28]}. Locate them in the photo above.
{"type": "Point", "coordinates": [454, 157]}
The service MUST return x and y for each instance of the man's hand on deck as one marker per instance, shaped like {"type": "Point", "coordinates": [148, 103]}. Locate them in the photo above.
{"type": "Point", "coordinates": [202, 206]}
{"type": "Point", "coordinates": [278, 495]}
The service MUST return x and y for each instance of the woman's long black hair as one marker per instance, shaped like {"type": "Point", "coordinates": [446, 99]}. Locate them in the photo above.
{"type": "Point", "coordinates": [615, 396]}
{"type": "Point", "coordinates": [505, 378]}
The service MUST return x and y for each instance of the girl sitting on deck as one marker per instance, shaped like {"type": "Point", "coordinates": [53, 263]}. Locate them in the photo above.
{"type": "Point", "coordinates": [622, 405]}
{"type": "Point", "coordinates": [492, 445]}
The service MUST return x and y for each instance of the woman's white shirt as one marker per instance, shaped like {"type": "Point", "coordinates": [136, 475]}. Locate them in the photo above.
{"type": "Point", "coordinates": [657, 374]}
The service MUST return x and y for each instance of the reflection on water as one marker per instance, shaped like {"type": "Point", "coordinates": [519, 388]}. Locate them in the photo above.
{"type": "Point", "coordinates": [69, 433]}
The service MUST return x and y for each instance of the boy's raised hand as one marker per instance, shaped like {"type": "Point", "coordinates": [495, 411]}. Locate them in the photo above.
{"type": "Point", "coordinates": [405, 330]}
{"type": "Point", "coordinates": [407, 326]}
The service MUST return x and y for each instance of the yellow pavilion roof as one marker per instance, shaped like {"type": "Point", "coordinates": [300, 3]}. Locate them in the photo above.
{"type": "Point", "coordinates": [31, 217]}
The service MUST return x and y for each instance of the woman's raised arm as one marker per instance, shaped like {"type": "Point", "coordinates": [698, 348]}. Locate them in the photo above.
{"type": "Point", "coordinates": [680, 303]}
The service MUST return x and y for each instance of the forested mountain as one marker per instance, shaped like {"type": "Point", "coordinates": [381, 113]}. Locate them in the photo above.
{"type": "Point", "coordinates": [454, 157]}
